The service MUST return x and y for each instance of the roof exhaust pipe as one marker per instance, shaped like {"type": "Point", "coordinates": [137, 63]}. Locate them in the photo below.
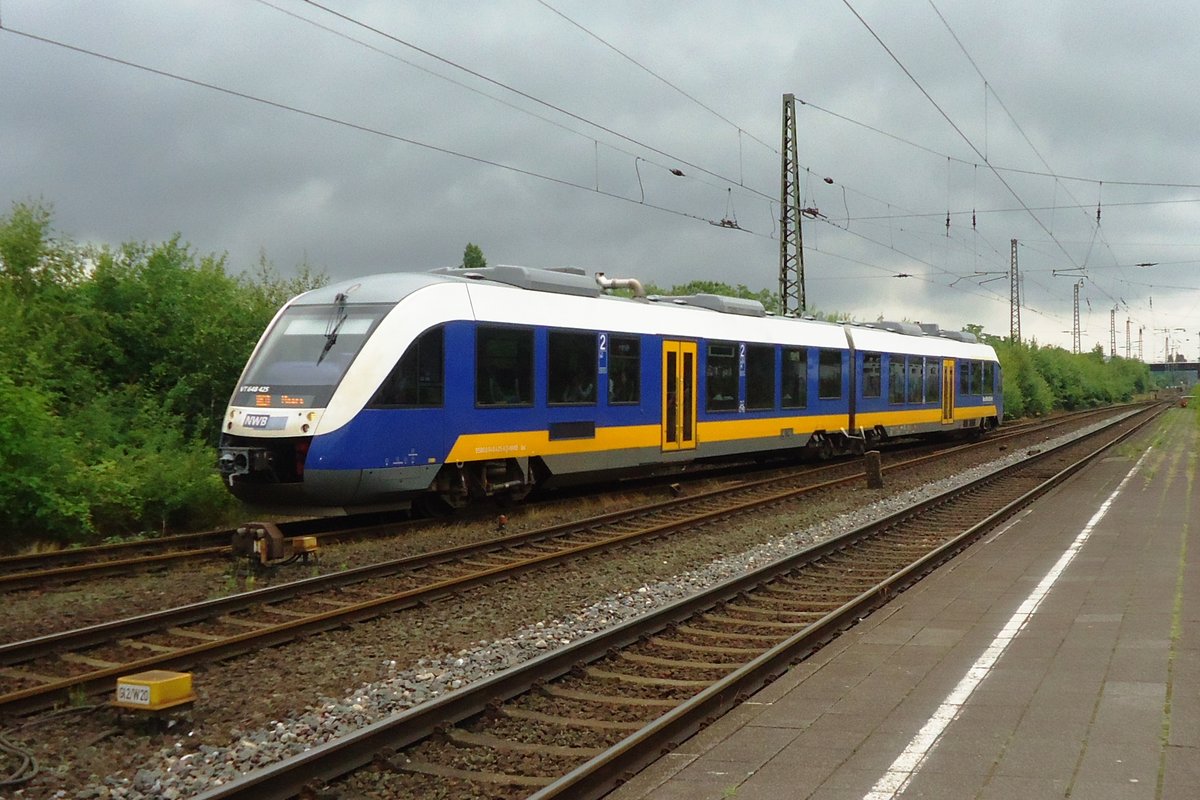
{"type": "Point", "coordinates": [621, 283]}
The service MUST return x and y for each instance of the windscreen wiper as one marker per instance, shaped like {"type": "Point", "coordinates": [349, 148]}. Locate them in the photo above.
{"type": "Point", "coordinates": [333, 326]}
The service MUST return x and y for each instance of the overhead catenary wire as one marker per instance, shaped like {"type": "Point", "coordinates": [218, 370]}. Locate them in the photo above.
{"type": "Point", "coordinates": [991, 165]}
{"type": "Point", "coordinates": [651, 72]}
{"type": "Point", "coordinates": [720, 183]}
{"type": "Point", "coordinates": [521, 93]}
{"type": "Point", "coordinates": [953, 124]}
{"type": "Point", "coordinates": [344, 123]}
{"type": "Point", "coordinates": [375, 131]}
{"type": "Point", "coordinates": [847, 221]}
{"type": "Point", "coordinates": [356, 126]}
{"type": "Point", "coordinates": [1098, 231]}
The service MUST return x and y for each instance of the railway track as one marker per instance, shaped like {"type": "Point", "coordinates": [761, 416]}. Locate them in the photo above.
{"type": "Point", "coordinates": [39, 570]}
{"type": "Point", "coordinates": [49, 568]}
{"type": "Point", "coordinates": [40, 672]}
{"type": "Point", "coordinates": [576, 721]}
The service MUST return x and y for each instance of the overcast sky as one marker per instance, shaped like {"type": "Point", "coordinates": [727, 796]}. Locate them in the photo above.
{"type": "Point", "coordinates": [547, 132]}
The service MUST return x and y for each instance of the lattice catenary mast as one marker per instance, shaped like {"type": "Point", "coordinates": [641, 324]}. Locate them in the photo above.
{"type": "Point", "coordinates": [1075, 326]}
{"type": "Point", "coordinates": [791, 242]}
{"type": "Point", "coordinates": [1014, 326]}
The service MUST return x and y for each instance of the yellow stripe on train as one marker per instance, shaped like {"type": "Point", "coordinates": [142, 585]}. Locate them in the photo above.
{"type": "Point", "coordinates": [764, 428]}
{"type": "Point", "coordinates": [519, 444]}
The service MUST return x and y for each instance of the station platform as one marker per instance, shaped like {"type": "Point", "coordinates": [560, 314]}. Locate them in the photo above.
{"type": "Point", "coordinates": [1057, 657]}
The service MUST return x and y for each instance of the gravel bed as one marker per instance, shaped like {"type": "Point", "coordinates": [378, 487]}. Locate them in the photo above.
{"type": "Point", "coordinates": [255, 710]}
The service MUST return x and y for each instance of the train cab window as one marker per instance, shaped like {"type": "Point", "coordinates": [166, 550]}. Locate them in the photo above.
{"type": "Point", "coordinates": [572, 370]}
{"type": "Point", "coordinates": [624, 370]}
{"type": "Point", "coordinates": [417, 380]}
{"type": "Point", "coordinates": [933, 381]}
{"type": "Point", "coordinates": [916, 384]}
{"type": "Point", "coordinates": [829, 374]}
{"type": "Point", "coordinates": [872, 375]}
{"type": "Point", "coordinates": [721, 378]}
{"type": "Point", "coordinates": [309, 348]}
{"type": "Point", "coordinates": [896, 380]}
{"type": "Point", "coordinates": [795, 377]}
{"type": "Point", "coordinates": [989, 380]}
{"type": "Point", "coordinates": [503, 366]}
{"type": "Point", "coordinates": [760, 376]}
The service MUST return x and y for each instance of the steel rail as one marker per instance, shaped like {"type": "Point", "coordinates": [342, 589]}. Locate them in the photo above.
{"type": "Point", "coordinates": [37, 579]}
{"type": "Point", "coordinates": [37, 570]}
{"type": "Point", "coordinates": [27, 571]}
{"type": "Point", "coordinates": [101, 678]}
{"type": "Point", "coordinates": [599, 775]}
{"type": "Point", "coordinates": [77, 555]}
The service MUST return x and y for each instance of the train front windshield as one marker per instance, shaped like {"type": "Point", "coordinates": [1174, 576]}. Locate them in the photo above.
{"type": "Point", "coordinates": [305, 355]}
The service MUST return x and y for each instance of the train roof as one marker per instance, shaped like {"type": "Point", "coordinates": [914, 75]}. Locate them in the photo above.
{"type": "Point", "coordinates": [574, 283]}
{"type": "Point", "coordinates": [388, 287]}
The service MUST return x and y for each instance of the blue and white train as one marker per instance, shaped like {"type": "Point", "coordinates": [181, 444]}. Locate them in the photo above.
{"type": "Point", "coordinates": [444, 387]}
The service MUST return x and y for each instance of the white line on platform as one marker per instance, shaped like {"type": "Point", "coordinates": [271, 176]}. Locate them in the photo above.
{"type": "Point", "coordinates": [909, 762]}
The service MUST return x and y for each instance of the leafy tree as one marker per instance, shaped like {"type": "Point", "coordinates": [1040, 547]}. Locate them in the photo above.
{"type": "Point", "coordinates": [39, 484]}
{"type": "Point", "coordinates": [117, 364]}
{"type": "Point", "coordinates": [1039, 379]}
{"type": "Point", "coordinates": [473, 257]}
{"type": "Point", "coordinates": [270, 290]}
{"type": "Point", "coordinates": [29, 258]}
{"type": "Point", "coordinates": [769, 300]}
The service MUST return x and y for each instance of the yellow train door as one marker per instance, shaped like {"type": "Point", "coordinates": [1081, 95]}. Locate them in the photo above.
{"type": "Point", "coordinates": [947, 391]}
{"type": "Point", "coordinates": [679, 396]}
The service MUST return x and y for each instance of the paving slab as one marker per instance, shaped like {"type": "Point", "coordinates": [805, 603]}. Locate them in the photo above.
{"type": "Point", "coordinates": [1096, 696]}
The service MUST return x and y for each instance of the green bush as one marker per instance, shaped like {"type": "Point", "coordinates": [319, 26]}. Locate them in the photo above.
{"type": "Point", "coordinates": [115, 367]}
{"type": "Point", "coordinates": [1038, 380]}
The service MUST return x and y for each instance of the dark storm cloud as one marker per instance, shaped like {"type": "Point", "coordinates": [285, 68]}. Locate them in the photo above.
{"type": "Point", "coordinates": [1103, 90]}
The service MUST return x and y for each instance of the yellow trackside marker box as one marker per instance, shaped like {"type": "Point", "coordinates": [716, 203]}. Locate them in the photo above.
{"type": "Point", "coordinates": [154, 690]}
{"type": "Point", "coordinates": [304, 544]}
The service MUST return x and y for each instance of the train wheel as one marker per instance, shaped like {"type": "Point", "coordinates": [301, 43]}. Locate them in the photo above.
{"type": "Point", "coordinates": [510, 498]}
{"type": "Point", "coordinates": [433, 506]}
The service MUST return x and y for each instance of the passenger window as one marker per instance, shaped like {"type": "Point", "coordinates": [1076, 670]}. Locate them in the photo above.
{"type": "Point", "coordinates": [721, 377]}
{"type": "Point", "coordinates": [795, 377]}
{"type": "Point", "coordinates": [989, 380]}
{"type": "Point", "coordinates": [933, 384]}
{"type": "Point", "coordinates": [976, 377]}
{"type": "Point", "coordinates": [572, 371]}
{"type": "Point", "coordinates": [624, 370]}
{"type": "Point", "coordinates": [760, 376]}
{"type": "Point", "coordinates": [964, 377]}
{"type": "Point", "coordinates": [915, 382]}
{"type": "Point", "coordinates": [872, 375]}
{"type": "Point", "coordinates": [503, 366]}
{"type": "Point", "coordinates": [417, 379]}
{"type": "Point", "coordinates": [829, 375]}
{"type": "Point", "coordinates": [896, 380]}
